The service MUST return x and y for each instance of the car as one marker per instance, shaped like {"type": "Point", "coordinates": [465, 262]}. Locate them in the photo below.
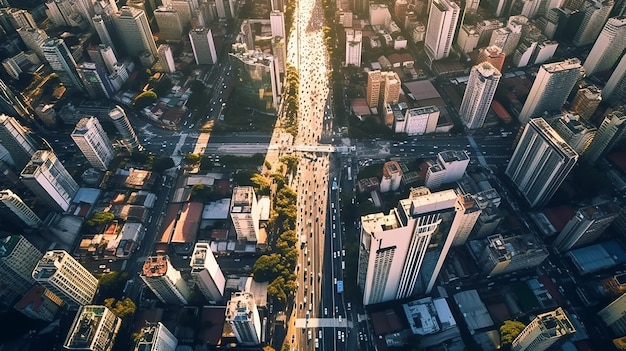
{"type": "Point", "coordinates": [326, 311]}
{"type": "Point", "coordinates": [102, 266]}
{"type": "Point", "coordinates": [340, 318]}
{"type": "Point", "coordinates": [343, 252]}
{"type": "Point", "coordinates": [310, 335]}
{"type": "Point", "coordinates": [334, 254]}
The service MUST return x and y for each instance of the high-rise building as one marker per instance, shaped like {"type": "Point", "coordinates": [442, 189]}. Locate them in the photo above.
{"type": "Point", "coordinates": [540, 163]}
{"type": "Point", "coordinates": [402, 253]}
{"type": "Point", "coordinates": [33, 39]}
{"type": "Point", "coordinates": [103, 27]}
{"type": "Point", "coordinates": [164, 280]}
{"type": "Point", "coordinates": [481, 88]}
{"type": "Point", "coordinates": [18, 140]}
{"type": "Point", "coordinates": [615, 89]}
{"type": "Point", "coordinates": [587, 225]}
{"type": "Point", "coordinates": [487, 199]}
{"type": "Point", "coordinates": [552, 85]}
{"type": "Point", "coordinates": [18, 258]}
{"type": "Point", "coordinates": [485, 28]}
{"type": "Point", "coordinates": [156, 337]}
{"type": "Point", "coordinates": [277, 23]}
{"type": "Point", "coordinates": [39, 303]}
{"type": "Point", "coordinates": [185, 10]}
{"type": "Point", "coordinates": [94, 329]}
{"type": "Point", "coordinates": [166, 58]}
{"type": "Point", "coordinates": [586, 101]}
{"type": "Point", "coordinates": [48, 179]}
{"type": "Point", "coordinates": [379, 14]}
{"type": "Point", "coordinates": [608, 47]}
{"type": "Point", "coordinates": [543, 331]}
{"type": "Point", "coordinates": [93, 143]}
{"type": "Point", "coordinates": [259, 77]}
{"type": "Point", "coordinates": [62, 63]}
{"type": "Point", "coordinates": [374, 78]}
{"type": "Point", "coordinates": [95, 80]}
{"type": "Point", "coordinates": [449, 168]}
{"type": "Point", "coordinates": [244, 213]}
{"type": "Point", "coordinates": [108, 57]}
{"type": "Point", "coordinates": [123, 126]}
{"type": "Point", "coordinates": [576, 132]}
{"type": "Point", "coordinates": [596, 13]}
{"type": "Point", "coordinates": [243, 316]}
{"type": "Point", "coordinates": [221, 8]}
{"type": "Point", "coordinates": [442, 23]}
{"type": "Point", "coordinates": [169, 22]}
{"type": "Point", "coordinates": [354, 43]}
{"type": "Point", "coordinates": [203, 46]}
{"type": "Point", "coordinates": [506, 255]}
{"type": "Point", "coordinates": [17, 18]}
{"type": "Point", "coordinates": [60, 273]}
{"type": "Point", "coordinates": [468, 37]}
{"type": "Point", "coordinates": [614, 317]}
{"type": "Point", "coordinates": [137, 36]}
{"type": "Point", "coordinates": [392, 177]}
{"type": "Point", "coordinates": [611, 131]}
{"type": "Point", "coordinates": [418, 121]}
{"type": "Point", "coordinates": [15, 211]}
{"type": "Point", "coordinates": [279, 50]}
{"type": "Point", "coordinates": [207, 273]}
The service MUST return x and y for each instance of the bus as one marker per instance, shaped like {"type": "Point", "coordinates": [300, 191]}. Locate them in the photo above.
{"type": "Point", "coordinates": [349, 173]}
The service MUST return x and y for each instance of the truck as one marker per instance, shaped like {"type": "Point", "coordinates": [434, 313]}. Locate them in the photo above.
{"type": "Point", "coordinates": [339, 286]}
{"type": "Point", "coordinates": [349, 172]}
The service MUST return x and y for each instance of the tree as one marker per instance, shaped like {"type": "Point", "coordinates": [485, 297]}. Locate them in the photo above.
{"type": "Point", "coordinates": [121, 308]}
{"type": "Point", "coordinates": [193, 158]}
{"type": "Point", "coordinates": [260, 184]}
{"type": "Point", "coordinates": [291, 161]}
{"type": "Point", "coordinates": [144, 99]}
{"type": "Point", "coordinates": [268, 348]}
{"type": "Point", "coordinates": [160, 164]}
{"type": "Point", "coordinates": [100, 218]}
{"type": "Point", "coordinates": [510, 330]}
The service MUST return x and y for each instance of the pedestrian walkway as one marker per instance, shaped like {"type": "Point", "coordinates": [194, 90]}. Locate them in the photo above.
{"type": "Point", "coordinates": [479, 155]}
{"type": "Point", "coordinates": [322, 323]}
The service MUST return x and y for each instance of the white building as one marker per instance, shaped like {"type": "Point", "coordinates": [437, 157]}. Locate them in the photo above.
{"type": "Point", "coordinates": [481, 88]}
{"type": "Point", "coordinates": [166, 58]}
{"type": "Point", "coordinates": [615, 88]}
{"type": "Point", "coordinates": [94, 329]}
{"type": "Point", "coordinates": [543, 331]}
{"type": "Point", "coordinates": [392, 177]}
{"type": "Point", "coordinates": [207, 273]}
{"type": "Point", "coordinates": [11, 205]}
{"type": "Point", "coordinates": [18, 258]}
{"type": "Point", "coordinates": [379, 14]}
{"type": "Point", "coordinates": [468, 37]}
{"type": "Point", "coordinates": [608, 47]}
{"type": "Point", "coordinates": [60, 273]}
{"type": "Point", "coordinates": [156, 337]}
{"type": "Point", "coordinates": [354, 43]}
{"type": "Point", "coordinates": [444, 15]}
{"type": "Point", "coordinates": [243, 316]}
{"type": "Point", "coordinates": [18, 140]}
{"type": "Point", "coordinates": [164, 280]}
{"type": "Point", "coordinates": [450, 167]}
{"type": "Point", "coordinates": [277, 23]}
{"type": "Point", "coordinates": [93, 143]}
{"type": "Point", "coordinates": [418, 121]}
{"type": "Point", "coordinates": [123, 126]}
{"type": "Point", "coordinates": [244, 213]}
{"type": "Point", "coordinates": [203, 46]}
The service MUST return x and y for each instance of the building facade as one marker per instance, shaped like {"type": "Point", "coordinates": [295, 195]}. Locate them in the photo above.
{"type": "Point", "coordinates": [506, 255]}
{"type": "Point", "coordinates": [354, 44]}
{"type": "Point", "coordinates": [243, 316]}
{"type": "Point", "coordinates": [608, 47]}
{"type": "Point", "coordinates": [164, 280]}
{"type": "Point", "coordinates": [156, 337]}
{"type": "Point", "coordinates": [137, 35]}
{"type": "Point", "coordinates": [18, 258]}
{"type": "Point", "coordinates": [93, 143]}
{"type": "Point", "coordinates": [13, 209]}
{"type": "Point", "coordinates": [450, 167]}
{"type": "Point", "coordinates": [94, 329]}
{"type": "Point", "coordinates": [543, 331]}
{"type": "Point", "coordinates": [481, 88]}
{"type": "Point", "coordinates": [62, 62]}
{"type": "Point", "coordinates": [442, 24]}
{"type": "Point", "coordinates": [207, 273]}
{"type": "Point", "coordinates": [612, 130]}
{"type": "Point", "coordinates": [587, 226]}
{"type": "Point", "coordinates": [18, 140]}
{"type": "Point", "coordinates": [203, 46]}
{"type": "Point", "coordinates": [123, 126]}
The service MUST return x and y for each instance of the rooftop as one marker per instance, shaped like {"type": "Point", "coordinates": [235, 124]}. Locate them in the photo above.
{"type": "Point", "coordinates": [155, 266]}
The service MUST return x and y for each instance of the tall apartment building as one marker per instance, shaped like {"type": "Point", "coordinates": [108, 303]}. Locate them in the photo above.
{"type": "Point", "coordinates": [576, 132]}
{"type": "Point", "coordinates": [608, 47]}
{"type": "Point", "coordinates": [137, 36]}
{"type": "Point", "coordinates": [93, 143]}
{"type": "Point", "coordinates": [243, 316]}
{"type": "Point", "coordinates": [596, 13]}
{"type": "Point", "coordinates": [244, 213]}
{"type": "Point", "coordinates": [543, 331]}
{"type": "Point", "coordinates": [401, 253]}
{"type": "Point", "coordinates": [169, 22]}
{"type": "Point", "coordinates": [481, 88]}
{"type": "Point", "coordinates": [586, 101]}
{"type": "Point", "coordinates": [614, 317]}
{"type": "Point", "coordinates": [18, 258]}
{"type": "Point", "coordinates": [123, 126]}
{"type": "Point", "coordinates": [48, 179]}
{"type": "Point", "coordinates": [442, 24]}
{"type": "Point", "coordinates": [164, 280]}
{"type": "Point", "coordinates": [203, 46]}
{"type": "Point", "coordinates": [33, 39]}
{"type": "Point", "coordinates": [487, 199]}
{"type": "Point", "coordinates": [156, 337]}
{"type": "Point", "coordinates": [492, 54]}
{"type": "Point", "coordinates": [540, 162]}
{"type": "Point", "coordinates": [14, 210]}
{"type": "Point", "coordinates": [611, 131]}
{"type": "Point", "coordinates": [277, 23]}
{"type": "Point", "coordinates": [418, 121]}
{"type": "Point", "coordinates": [95, 80]}
{"type": "Point", "coordinates": [94, 329]}
{"type": "Point", "coordinates": [166, 58]}
{"type": "Point", "coordinates": [259, 77]}
{"type": "Point", "coordinates": [60, 273]}
{"type": "Point", "coordinates": [485, 28]}
{"type": "Point", "coordinates": [615, 89]}
{"type": "Point", "coordinates": [354, 44]}
{"type": "Point", "coordinates": [185, 10]}
{"type": "Point", "coordinates": [587, 226]}
{"type": "Point", "coordinates": [506, 255]}
{"type": "Point", "coordinates": [449, 168]}
{"type": "Point", "coordinates": [62, 62]}
{"type": "Point", "coordinates": [373, 88]}
{"type": "Point", "coordinates": [18, 140]}
{"type": "Point", "coordinates": [468, 37]}
{"type": "Point", "coordinates": [207, 273]}
{"type": "Point", "coordinates": [552, 85]}
{"type": "Point", "coordinates": [392, 177]}
{"type": "Point", "coordinates": [104, 28]}
{"type": "Point", "coordinates": [390, 88]}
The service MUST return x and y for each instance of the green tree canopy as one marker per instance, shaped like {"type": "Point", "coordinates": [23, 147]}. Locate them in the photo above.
{"type": "Point", "coordinates": [144, 99]}
{"type": "Point", "coordinates": [121, 308]}
{"type": "Point", "coordinates": [100, 218]}
{"type": "Point", "coordinates": [510, 330]}
{"type": "Point", "coordinates": [192, 158]}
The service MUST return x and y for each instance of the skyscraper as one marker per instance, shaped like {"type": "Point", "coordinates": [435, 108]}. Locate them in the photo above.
{"type": "Point", "coordinates": [166, 58]}
{"type": "Point", "coordinates": [354, 43]}
{"type": "Point", "coordinates": [442, 23]}
{"type": "Point", "coordinates": [14, 210]}
{"type": "Point", "coordinates": [586, 101]}
{"type": "Point", "coordinates": [18, 140]}
{"type": "Point", "coordinates": [392, 176]}
{"type": "Point", "coordinates": [402, 253]}
{"type": "Point", "coordinates": [95, 80]}
{"type": "Point", "coordinates": [540, 162]}
{"type": "Point", "coordinates": [576, 132]}
{"type": "Point", "coordinates": [47, 178]}
{"type": "Point", "coordinates": [123, 126]}
{"type": "Point", "coordinates": [481, 88]}
{"type": "Point", "coordinates": [543, 331]}
{"type": "Point", "coordinates": [613, 315]}
{"type": "Point", "coordinates": [137, 36]}
{"type": "Point", "coordinates": [60, 273]}
{"type": "Point", "coordinates": [203, 46]}
{"type": "Point", "coordinates": [243, 316]}
{"type": "Point", "coordinates": [615, 88]}
{"type": "Point", "coordinates": [374, 78]}
{"type": "Point", "coordinates": [552, 85]}
{"type": "Point", "coordinates": [586, 226]}
{"type": "Point", "coordinates": [244, 213]}
{"type": "Point", "coordinates": [164, 280]}
{"type": "Point", "coordinates": [94, 329]}
{"type": "Point", "coordinates": [169, 22]}
{"type": "Point", "coordinates": [62, 63]}
{"type": "Point", "coordinates": [156, 337]}
{"type": "Point", "coordinates": [259, 77]}
{"type": "Point", "coordinates": [596, 13]}
{"type": "Point", "coordinates": [18, 258]}
{"type": "Point", "coordinates": [611, 131]}
{"type": "Point", "coordinates": [608, 47]}
{"type": "Point", "coordinates": [449, 168]}
{"type": "Point", "coordinates": [93, 143]}
{"type": "Point", "coordinates": [103, 28]}
{"type": "Point", "coordinates": [207, 273]}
